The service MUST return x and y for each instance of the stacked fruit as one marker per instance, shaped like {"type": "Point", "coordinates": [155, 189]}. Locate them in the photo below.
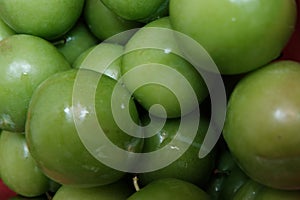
{"type": "Point", "coordinates": [161, 99]}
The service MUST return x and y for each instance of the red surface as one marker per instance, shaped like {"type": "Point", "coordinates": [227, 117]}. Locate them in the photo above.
{"type": "Point", "coordinates": [292, 50]}
{"type": "Point", "coordinates": [5, 193]}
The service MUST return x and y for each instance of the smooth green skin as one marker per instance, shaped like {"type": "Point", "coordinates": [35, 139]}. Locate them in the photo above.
{"type": "Point", "coordinates": [46, 19]}
{"type": "Point", "coordinates": [78, 61]}
{"type": "Point", "coordinates": [239, 35]}
{"type": "Point", "coordinates": [102, 22]}
{"type": "Point", "coordinates": [170, 188]}
{"type": "Point", "coordinates": [233, 183]}
{"type": "Point", "coordinates": [18, 169]}
{"type": "Point", "coordinates": [105, 58]}
{"type": "Point", "coordinates": [138, 54]}
{"type": "Point", "coordinates": [262, 125]}
{"type": "Point", "coordinates": [25, 62]}
{"type": "Point", "coordinates": [5, 30]}
{"type": "Point", "coordinates": [53, 139]}
{"type": "Point", "coordinates": [227, 178]}
{"type": "Point", "coordinates": [115, 191]}
{"type": "Point", "coordinates": [252, 190]}
{"type": "Point", "coordinates": [138, 10]}
{"type": "Point", "coordinates": [188, 167]}
{"type": "Point", "coordinates": [76, 41]}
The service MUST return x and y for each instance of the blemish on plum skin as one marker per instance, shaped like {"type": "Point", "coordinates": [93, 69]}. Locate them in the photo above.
{"type": "Point", "coordinates": [7, 46]}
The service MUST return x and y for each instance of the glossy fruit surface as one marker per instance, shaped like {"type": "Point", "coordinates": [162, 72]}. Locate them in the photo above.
{"type": "Point", "coordinates": [170, 188]}
{"type": "Point", "coordinates": [76, 41]}
{"type": "Point", "coordinates": [46, 19]}
{"type": "Point", "coordinates": [25, 62]}
{"type": "Point", "coordinates": [102, 22]}
{"type": "Point", "coordinates": [5, 30]}
{"type": "Point", "coordinates": [115, 191]}
{"type": "Point", "coordinates": [239, 35]}
{"type": "Point", "coordinates": [262, 123]}
{"type": "Point", "coordinates": [18, 169]}
{"type": "Point", "coordinates": [104, 58]}
{"type": "Point", "coordinates": [227, 177]}
{"type": "Point", "coordinates": [151, 54]}
{"type": "Point", "coordinates": [254, 191]}
{"type": "Point", "coordinates": [53, 138]}
{"type": "Point", "coordinates": [138, 10]}
{"type": "Point", "coordinates": [189, 166]}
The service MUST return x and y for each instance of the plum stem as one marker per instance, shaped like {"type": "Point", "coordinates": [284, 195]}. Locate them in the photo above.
{"type": "Point", "coordinates": [48, 196]}
{"type": "Point", "coordinates": [136, 184]}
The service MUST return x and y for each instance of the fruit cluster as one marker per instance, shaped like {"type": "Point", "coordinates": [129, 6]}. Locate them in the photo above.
{"type": "Point", "coordinates": [160, 99]}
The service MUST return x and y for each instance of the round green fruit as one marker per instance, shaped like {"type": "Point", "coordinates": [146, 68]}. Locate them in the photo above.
{"type": "Point", "coordinates": [53, 128]}
{"type": "Point", "coordinates": [262, 125]}
{"type": "Point", "coordinates": [151, 55]}
{"type": "Point", "coordinates": [5, 30]}
{"type": "Point", "coordinates": [144, 11]}
{"type": "Point", "coordinates": [104, 23]}
{"type": "Point", "coordinates": [76, 41]}
{"type": "Point", "coordinates": [189, 166]}
{"type": "Point", "coordinates": [47, 19]}
{"type": "Point", "coordinates": [18, 169]}
{"type": "Point", "coordinates": [25, 62]}
{"type": "Point", "coordinates": [115, 191]}
{"type": "Point", "coordinates": [255, 191]}
{"type": "Point", "coordinates": [170, 188]}
{"type": "Point", "coordinates": [104, 58]}
{"type": "Point", "coordinates": [239, 35]}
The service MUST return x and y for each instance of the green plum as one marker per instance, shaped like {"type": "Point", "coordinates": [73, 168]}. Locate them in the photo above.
{"type": "Point", "coordinates": [252, 190]}
{"type": "Point", "coordinates": [189, 166]}
{"type": "Point", "coordinates": [170, 188]}
{"type": "Point", "coordinates": [5, 30]}
{"type": "Point", "coordinates": [227, 177]}
{"type": "Point", "coordinates": [18, 169]}
{"type": "Point", "coordinates": [262, 125]}
{"type": "Point", "coordinates": [47, 19]}
{"type": "Point", "coordinates": [55, 139]}
{"type": "Point", "coordinates": [143, 11]}
{"type": "Point", "coordinates": [25, 62]}
{"type": "Point", "coordinates": [76, 41]}
{"type": "Point", "coordinates": [115, 191]}
{"type": "Point", "coordinates": [102, 22]}
{"type": "Point", "coordinates": [152, 54]}
{"type": "Point", "coordinates": [105, 58]}
{"type": "Point", "coordinates": [78, 61]}
{"type": "Point", "coordinates": [240, 35]}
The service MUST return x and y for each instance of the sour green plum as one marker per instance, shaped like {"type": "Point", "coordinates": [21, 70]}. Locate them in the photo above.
{"type": "Point", "coordinates": [25, 62]}
{"type": "Point", "coordinates": [254, 191]}
{"type": "Point", "coordinates": [76, 41]}
{"type": "Point", "coordinates": [46, 19]}
{"type": "Point", "coordinates": [18, 169]}
{"type": "Point", "coordinates": [104, 23]}
{"type": "Point", "coordinates": [262, 123]}
{"type": "Point", "coordinates": [239, 35]}
{"type": "Point", "coordinates": [170, 188]}
{"type": "Point", "coordinates": [5, 30]}
{"type": "Point", "coordinates": [152, 54]}
{"type": "Point", "coordinates": [144, 11]}
{"type": "Point", "coordinates": [104, 58]}
{"type": "Point", "coordinates": [54, 138]}
{"type": "Point", "coordinates": [189, 166]}
{"type": "Point", "coordinates": [115, 191]}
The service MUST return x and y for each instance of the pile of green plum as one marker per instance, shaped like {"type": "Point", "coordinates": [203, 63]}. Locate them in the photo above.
{"type": "Point", "coordinates": [113, 99]}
